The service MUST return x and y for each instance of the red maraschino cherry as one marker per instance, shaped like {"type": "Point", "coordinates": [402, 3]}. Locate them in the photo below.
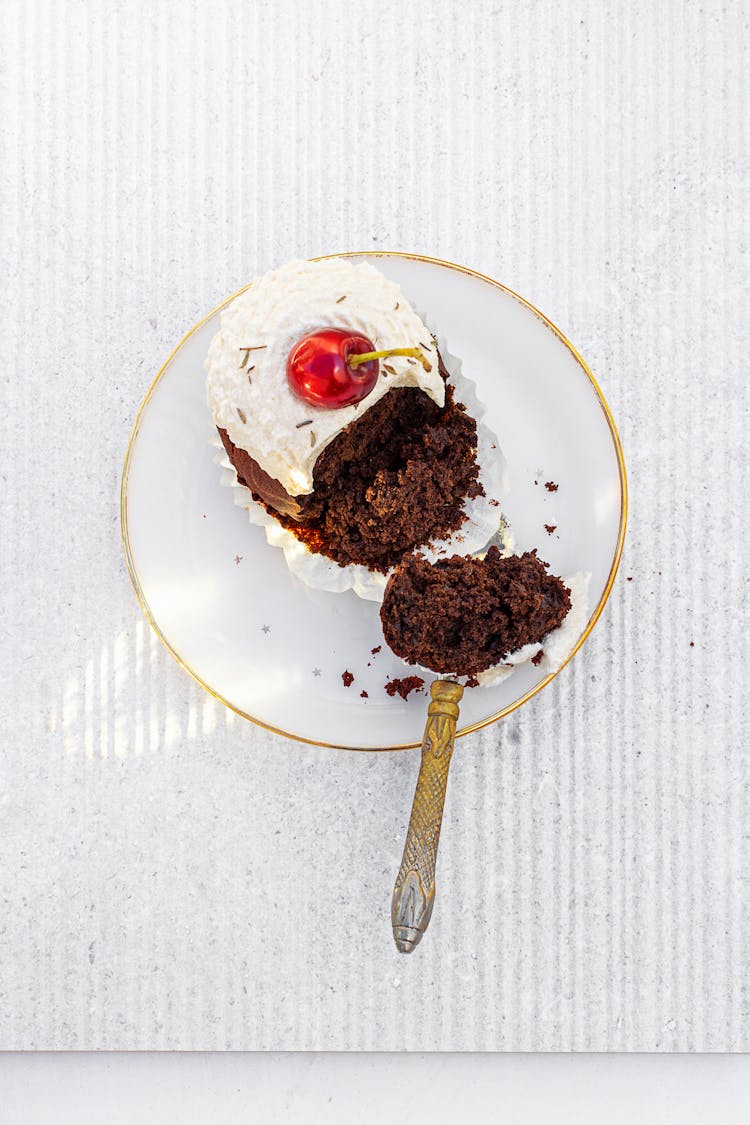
{"type": "Point", "coordinates": [337, 367]}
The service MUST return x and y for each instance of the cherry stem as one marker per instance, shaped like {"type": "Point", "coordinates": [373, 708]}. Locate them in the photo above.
{"type": "Point", "coordinates": [356, 360]}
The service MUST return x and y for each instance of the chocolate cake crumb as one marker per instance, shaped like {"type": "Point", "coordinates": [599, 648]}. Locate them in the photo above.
{"type": "Point", "coordinates": [538, 658]}
{"type": "Point", "coordinates": [404, 686]}
{"type": "Point", "coordinates": [494, 503]}
{"type": "Point", "coordinates": [348, 679]}
{"type": "Point", "coordinates": [550, 527]}
{"type": "Point", "coordinates": [629, 578]}
{"type": "Point", "coordinates": [692, 644]}
{"type": "Point", "coordinates": [376, 650]}
{"type": "Point", "coordinates": [551, 486]}
{"type": "Point", "coordinates": [364, 695]}
{"type": "Point", "coordinates": [465, 614]}
{"type": "Point", "coordinates": [472, 682]}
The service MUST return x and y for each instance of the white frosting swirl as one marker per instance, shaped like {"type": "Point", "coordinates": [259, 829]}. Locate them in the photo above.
{"type": "Point", "coordinates": [257, 408]}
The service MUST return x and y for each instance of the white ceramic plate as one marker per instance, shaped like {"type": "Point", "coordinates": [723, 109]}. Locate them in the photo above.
{"type": "Point", "coordinates": [273, 649]}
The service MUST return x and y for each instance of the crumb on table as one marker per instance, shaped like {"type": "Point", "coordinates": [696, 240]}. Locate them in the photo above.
{"type": "Point", "coordinates": [472, 682]}
{"type": "Point", "coordinates": [348, 678]}
{"type": "Point", "coordinates": [538, 658]}
{"type": "Point", "coordinates": [551, 486]}
{"type": "Point", "coordinates": [550, 527]}
{"type": "Point", "coordinates": [364, 695]}
{"type": "Point", "coordinates": [376, 650]}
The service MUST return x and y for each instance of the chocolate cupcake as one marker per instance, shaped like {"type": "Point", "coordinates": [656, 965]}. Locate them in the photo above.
{"type": "Point", "coordinates": [340, 421]}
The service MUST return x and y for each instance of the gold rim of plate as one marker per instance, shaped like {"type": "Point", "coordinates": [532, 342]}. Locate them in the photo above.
{"type": "Point", "coordinates": [473, 726]}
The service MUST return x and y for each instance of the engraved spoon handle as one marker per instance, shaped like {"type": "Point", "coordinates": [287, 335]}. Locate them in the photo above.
{"type": "Point", "coordinates": [414, 892]}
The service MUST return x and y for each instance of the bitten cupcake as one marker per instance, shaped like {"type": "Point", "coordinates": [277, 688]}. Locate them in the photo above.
{"type": "Point", "coordinates": [340, 420]}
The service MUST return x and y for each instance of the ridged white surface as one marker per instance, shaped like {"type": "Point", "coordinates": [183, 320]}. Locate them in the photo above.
{"type": "Point", "coordinates": [170, 877]}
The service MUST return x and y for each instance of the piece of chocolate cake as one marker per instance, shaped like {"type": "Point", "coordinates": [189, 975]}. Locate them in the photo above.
{"type": "Point", "coordinates": [463, 615]}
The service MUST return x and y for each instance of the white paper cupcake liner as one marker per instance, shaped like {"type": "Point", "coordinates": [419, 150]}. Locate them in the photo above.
{"type": "Point", "coordinates": [484, 520]}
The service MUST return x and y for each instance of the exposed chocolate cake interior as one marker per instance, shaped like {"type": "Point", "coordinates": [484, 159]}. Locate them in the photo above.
{"type": "Point", "coordinates": [463, 615]}
{"type": "Point", "coordinates": [392, 481]}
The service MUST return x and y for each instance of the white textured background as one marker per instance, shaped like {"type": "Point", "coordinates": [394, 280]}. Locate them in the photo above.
{"type": "Point", "coordinates": [171, 877]}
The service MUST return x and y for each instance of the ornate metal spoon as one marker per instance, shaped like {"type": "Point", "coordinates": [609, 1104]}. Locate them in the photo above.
{"type": "Point", "coordinates": [414, 892]}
